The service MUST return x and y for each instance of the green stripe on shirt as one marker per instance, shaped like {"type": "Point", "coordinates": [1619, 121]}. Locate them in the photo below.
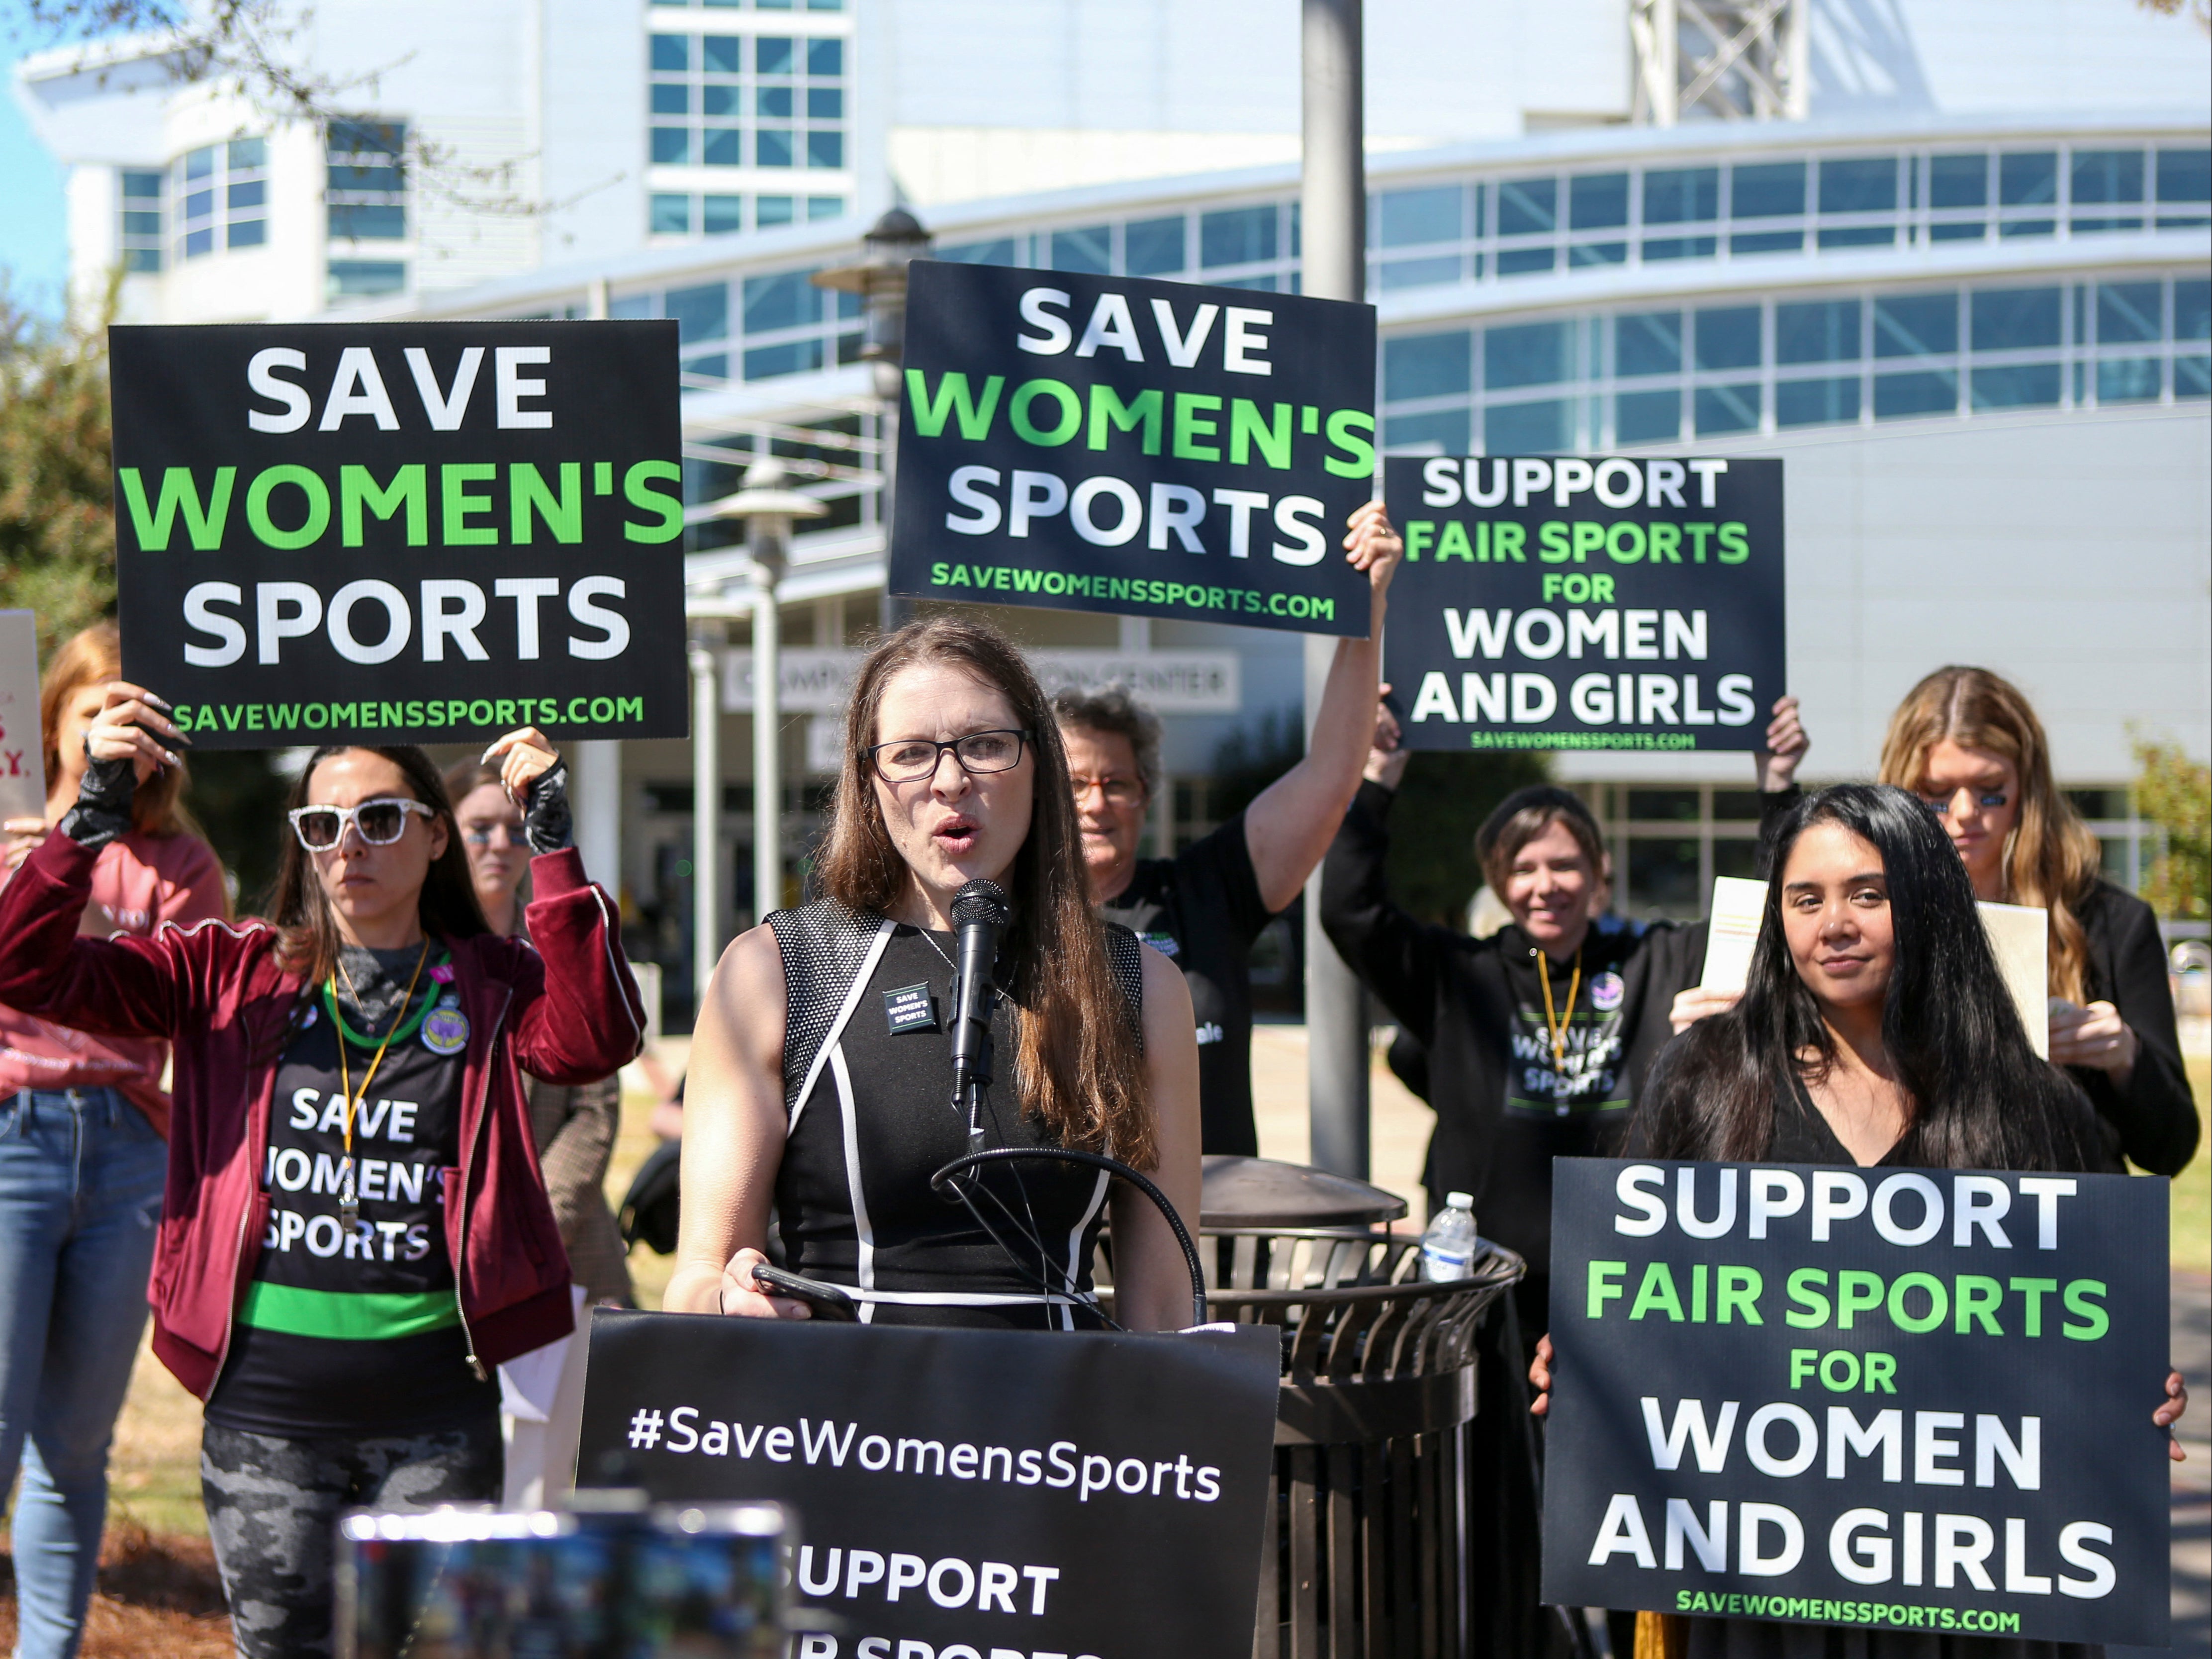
{"type": "Point", "coordinates": [348, 1316]}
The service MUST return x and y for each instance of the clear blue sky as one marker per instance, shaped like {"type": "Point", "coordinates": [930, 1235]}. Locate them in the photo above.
{"type": "Point", "coordinates": [33, 253]}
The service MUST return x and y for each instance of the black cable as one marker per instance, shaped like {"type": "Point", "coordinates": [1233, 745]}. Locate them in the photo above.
{"type": "Point", "coordinates": [983, 1106]}
{"type": "Point", "coordinates": [941, 1181]}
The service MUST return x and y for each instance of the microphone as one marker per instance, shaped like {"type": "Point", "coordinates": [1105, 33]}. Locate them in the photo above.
{"type": "Point", "coordinates": [980, 912]}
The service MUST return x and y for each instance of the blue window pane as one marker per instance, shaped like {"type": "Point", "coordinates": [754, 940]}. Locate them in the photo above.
{"type": "Point", "coordinates": [367, 137]}
{"type": "Point", "coordinates": [1410, 217]}
{"type": "Point", "coordinates": [142, 186]}
{"type": "Point", "coordinates": [2025, 385]}
{"type": "Point", "coordinates": [1958, 181]}
{"type": "Point", "coordinates": [1769, 191]}
{"type": "Point", "coordinates": [1727, 408]}
{"type": "Point", "coordinates": [2192, 310]}
{"type": "Point", "coordinates": [1681, 247]}
{"type": "Point", "coordinates": [830, 207]}
{"type": "Point", "coordinates": [825, 58]}
{"type": "Point", "coordinates": [1727, 337]}
{"type": "Point", "coordinates": [1150, 248]}
{"type": "Point", "coordinates": [368, 224]}
{"type": "Point", "coordinates": [825, 104]}
{"type": "Point", "coordinates": [1395, 274]}
{"type": "Point", "coordinates": [1087, 250]}
{"type": "Point", "coordinates": [2028, 177]}
{"type": "Point", "coordinates": [725, 102]}
{"type": "Point", "coordinates": [825, 149]}
{"type": "Point", "coordinates": [1260, 284]}
{"type": "Point", "coordinates": [345, 178]}
{"type": "Point", "coordinates": [2081, 225]}
{"type": "Point", "coordinates": [1597, 253]}
{"type": "Point", "coordinates": [1528, 207]}
{"type": "Point", "coordinates": [998, 252]}
{"type": "Point", "coordinates": [1544, 429]}
{"type": "Point", "coordinates": [2128, 380]}
{"type": "Point", "coordinates": [627, 307]}
{"type": "Point", "coordinates": [1647, 342]}
{"type": "Point", "coordinates": [1957, 232]}
{"type": "Point", "coordinates": [772, 148]}
{"type": "Point", "coordinates": [366, 277]}
{"type": "Point", "coordinates": [1860, 236]}
{"type": "Point", "coordinates": [1441, 432]}
{"type": "Point", "coordinates": [672, 216]}
{"type": "Point", "coordinates": [701, 313]}
{"type": "Point", "coordinates": [200, 163]}
{"type": "Point", "coordinates": [138, 259]}
{"type": "Point", "coordinates": [770, 210]}
{"type": "Point", "coordinates": [786, 299]}
{"type": "Point", "coordinates": [725, 148]}
{"type": "Point", "coordinates": [794, 357]}
{"type": "Point", "coordinates": [1522, 261]}
{"type": "Point", "coordinates": [772, 56]}
{"type": "Point", "coordinates": [1824, 332]}
{"type": "Point", "coordinates": [1768, 241]}
{"type": "Point", "coordinates": [721, 54]}
{"type": "Point", "coordinates": [2185, 175]}
{"type": "Point", "coordinates": [249, 232]}
{"type": "Point", "coordinates": [1597, 201]}
{"type": "Point", "coordinates": [250, 194]}
{"type": "Point", "coordinates": [142, 224]}
{"type": "Point", "coordinates": [1528, 354]}
{"type": "Point", "coordinates": [715, 365]}
{"type": "Point", "coordinates": [2014, 318]}
{"type": "Point", "coordinates": [2192, 377]}
{"type": "Point", "coordinates": [1896, 396]}
{"type": "Point", "coordinates": [672, 55]}
{"type": "Point", "coordinates": [1915, 325]}
{"type": "Point", "coordinates": [199, 204]}
{"type": "Point", "coordinates": [1679, 196]}
{"type": "Point", "coordinates": [1816, 403]}
{"type": "Point", "coordinates": [671, 145]}
{"type": "Point", "coordinates": [2108, 175]}
{"type": "Point", "coordinates": [198, 242]}
{"type": "Point", "coordinates": [1428, 366]}
{"type": "Point", "coordinates": [1237, 237]}
{"type": "Point", "coordinates": [247, 154]}
{"type": "Point", "coordinates": [775, 103]}
{"type": "Point", "coordinates": [673, 98]}
{"type": "Point", "coordinates": [2126, 311]}
{"type": "Point", "coordinates": [1647, 417]}
{"type": "Point", "coordinates": [2029, 228]}
{"type": "Point", "coordinates": [1868, 185]}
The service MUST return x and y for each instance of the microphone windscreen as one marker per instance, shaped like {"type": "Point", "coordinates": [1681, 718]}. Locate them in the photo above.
{"type": "Point", "coordinates": [983, 900]}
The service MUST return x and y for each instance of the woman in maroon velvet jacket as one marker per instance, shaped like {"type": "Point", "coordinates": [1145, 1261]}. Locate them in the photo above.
{"type": "Point", "coordinates": [354, 1228]}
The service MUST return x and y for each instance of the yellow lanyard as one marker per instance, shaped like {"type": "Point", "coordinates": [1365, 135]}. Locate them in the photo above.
{"type": "Point", "coordinates": [1557, 1027]}
{"type": "Point", "coordinates": [345, 1074]}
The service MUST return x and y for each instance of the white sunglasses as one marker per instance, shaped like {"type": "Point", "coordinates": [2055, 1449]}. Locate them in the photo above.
{"type": "Point", "coordinates": [379, 822]}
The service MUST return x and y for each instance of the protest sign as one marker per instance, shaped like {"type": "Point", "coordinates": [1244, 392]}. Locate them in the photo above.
{"type": "Point", "coordinates": [1154, 449]}
{"type": "Point", "coordinates": [402, 532]}
{"type": "Point", "coordinates": [1891, 1399]}
{"type": "Point", "coordinates": [969, 1491]}
{"type": "Point", "coordinates": [1557, 603]}
{"type": "Point", "coordinates": [23, 752]}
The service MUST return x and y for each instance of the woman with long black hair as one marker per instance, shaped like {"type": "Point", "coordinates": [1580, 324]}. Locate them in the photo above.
{"type": "Point", "coordinates": [1875, 1031]}
{"type": "Point", "coordinates": [355, 1230]}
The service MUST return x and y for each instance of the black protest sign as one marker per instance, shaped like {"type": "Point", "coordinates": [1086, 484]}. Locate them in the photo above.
{"type": "Point", "coordinates": [1897, 1399]}
{"type": "Point", "coordinates": [971, 1491]}
{"type": "Point", "coordinates": [402, 532]}
{"type": "Point", "coordinates": [1155, 449]}
{"type": "Point", "coordinates": [1557, 603]}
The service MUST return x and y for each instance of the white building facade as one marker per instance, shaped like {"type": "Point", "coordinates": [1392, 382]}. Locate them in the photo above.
{"type": "Point", "coordinates": [1968, 297]}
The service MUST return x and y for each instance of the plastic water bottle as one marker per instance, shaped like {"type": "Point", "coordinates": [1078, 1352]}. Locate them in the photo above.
{"type": "Point", "coordinates": [1448, 1247]}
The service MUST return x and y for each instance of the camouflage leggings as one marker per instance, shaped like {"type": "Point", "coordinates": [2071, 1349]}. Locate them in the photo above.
{"type": "Point", "coordinates": [273, 1506]}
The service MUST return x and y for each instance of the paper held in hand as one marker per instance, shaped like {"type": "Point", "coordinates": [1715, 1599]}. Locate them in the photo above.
{"type": "Point", "coordinates": [22, 767]}
{"type": "Point", "coordinates": [2019, 934]}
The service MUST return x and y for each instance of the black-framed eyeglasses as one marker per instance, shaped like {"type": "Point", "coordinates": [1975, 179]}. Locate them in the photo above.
{"type": "Point", "coordinates": [905, 759]}
{"type": "Point", "coordinates": [379, 822]}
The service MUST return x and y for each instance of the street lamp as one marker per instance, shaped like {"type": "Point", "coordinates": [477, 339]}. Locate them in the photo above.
{"type": "Point", "coordinates": [768, 506]}
{"type": "Point", "coordinates": [879, 278]}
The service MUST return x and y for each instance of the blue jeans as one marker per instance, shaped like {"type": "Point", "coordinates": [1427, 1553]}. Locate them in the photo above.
{"type": "Point", "coordinates": [80, 1174]}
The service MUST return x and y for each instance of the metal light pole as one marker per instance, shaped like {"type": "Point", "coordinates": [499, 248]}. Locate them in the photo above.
{"type": "Point", "coordinates": [1332, 213]}
{"type": "Point", "coordinates": [767, 506]}
{"type": "Point", "coordinates": [879, 278]}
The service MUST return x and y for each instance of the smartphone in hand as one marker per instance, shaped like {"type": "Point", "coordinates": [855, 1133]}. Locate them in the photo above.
{"type": "Point", "coordinates": [824, 1301]}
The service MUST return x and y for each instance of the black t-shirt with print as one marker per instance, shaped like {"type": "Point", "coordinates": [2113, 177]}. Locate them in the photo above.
{"type": "Point", "coordinates": [359, 1335]}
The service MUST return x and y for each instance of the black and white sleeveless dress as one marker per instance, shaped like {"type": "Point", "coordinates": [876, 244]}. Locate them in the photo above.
{"type": "Point", "coordinates": [867, 1085]}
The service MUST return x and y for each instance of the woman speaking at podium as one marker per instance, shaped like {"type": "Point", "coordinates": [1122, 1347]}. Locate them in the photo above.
{"type": "Point", "coordinates": [822, 1078]}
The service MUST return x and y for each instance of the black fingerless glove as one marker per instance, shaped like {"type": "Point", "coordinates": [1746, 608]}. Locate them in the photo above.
{"type": "Point", "coordinates": [545, 819]}
{"type": "Point", "coordinates": [103, 804]}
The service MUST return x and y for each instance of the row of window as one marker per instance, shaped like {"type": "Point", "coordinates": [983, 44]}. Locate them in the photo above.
{"type": "Point", "coordinates": [679, 213]}
{"type": "Point", "coordinates": [1220, 245]}
{"type": "Point", "coordinates": [217, 197]}
{"type": "Point", "coordinates": [787, 326]}
{"type": "Point", "coordinates": [1638, 376]}
{"type": "Point", "coordinates": [747, 101]}
{"type": "Point", "coordinates": [756, 5]}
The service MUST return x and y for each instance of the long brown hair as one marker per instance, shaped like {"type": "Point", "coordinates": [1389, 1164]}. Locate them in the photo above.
{"type": "Point", "coordinates": [1076, 1064]}
{"type": "Point", "coordinates": [94, 658]}
{"type": "Point", "coordinates": [2052, 860]}
{"type": "Point", "coordinates": [307, 932]}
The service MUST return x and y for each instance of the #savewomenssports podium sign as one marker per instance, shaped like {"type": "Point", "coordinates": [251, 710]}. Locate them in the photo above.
{"type": "Point", "coordinates": [978, 1494]}
{"type": "Point", "coordinates": [402, 532]}
{"type": "Point", "coordinates": [1550, 602]}
{"type": "Point", "coordinates": [1154, 449]}
{"type": "Point", "coordinates": [1900, 1400]}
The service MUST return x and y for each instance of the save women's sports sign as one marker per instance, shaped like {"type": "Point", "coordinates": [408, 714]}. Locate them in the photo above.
{"type": "Point", "coordinates": [402, 532]}
{"type": "Point", "coordinates": [1907, 1400]}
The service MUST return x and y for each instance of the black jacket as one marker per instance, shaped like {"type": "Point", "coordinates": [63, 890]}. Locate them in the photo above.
{"type": "Point", "coordinates": [2152, 1120]}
